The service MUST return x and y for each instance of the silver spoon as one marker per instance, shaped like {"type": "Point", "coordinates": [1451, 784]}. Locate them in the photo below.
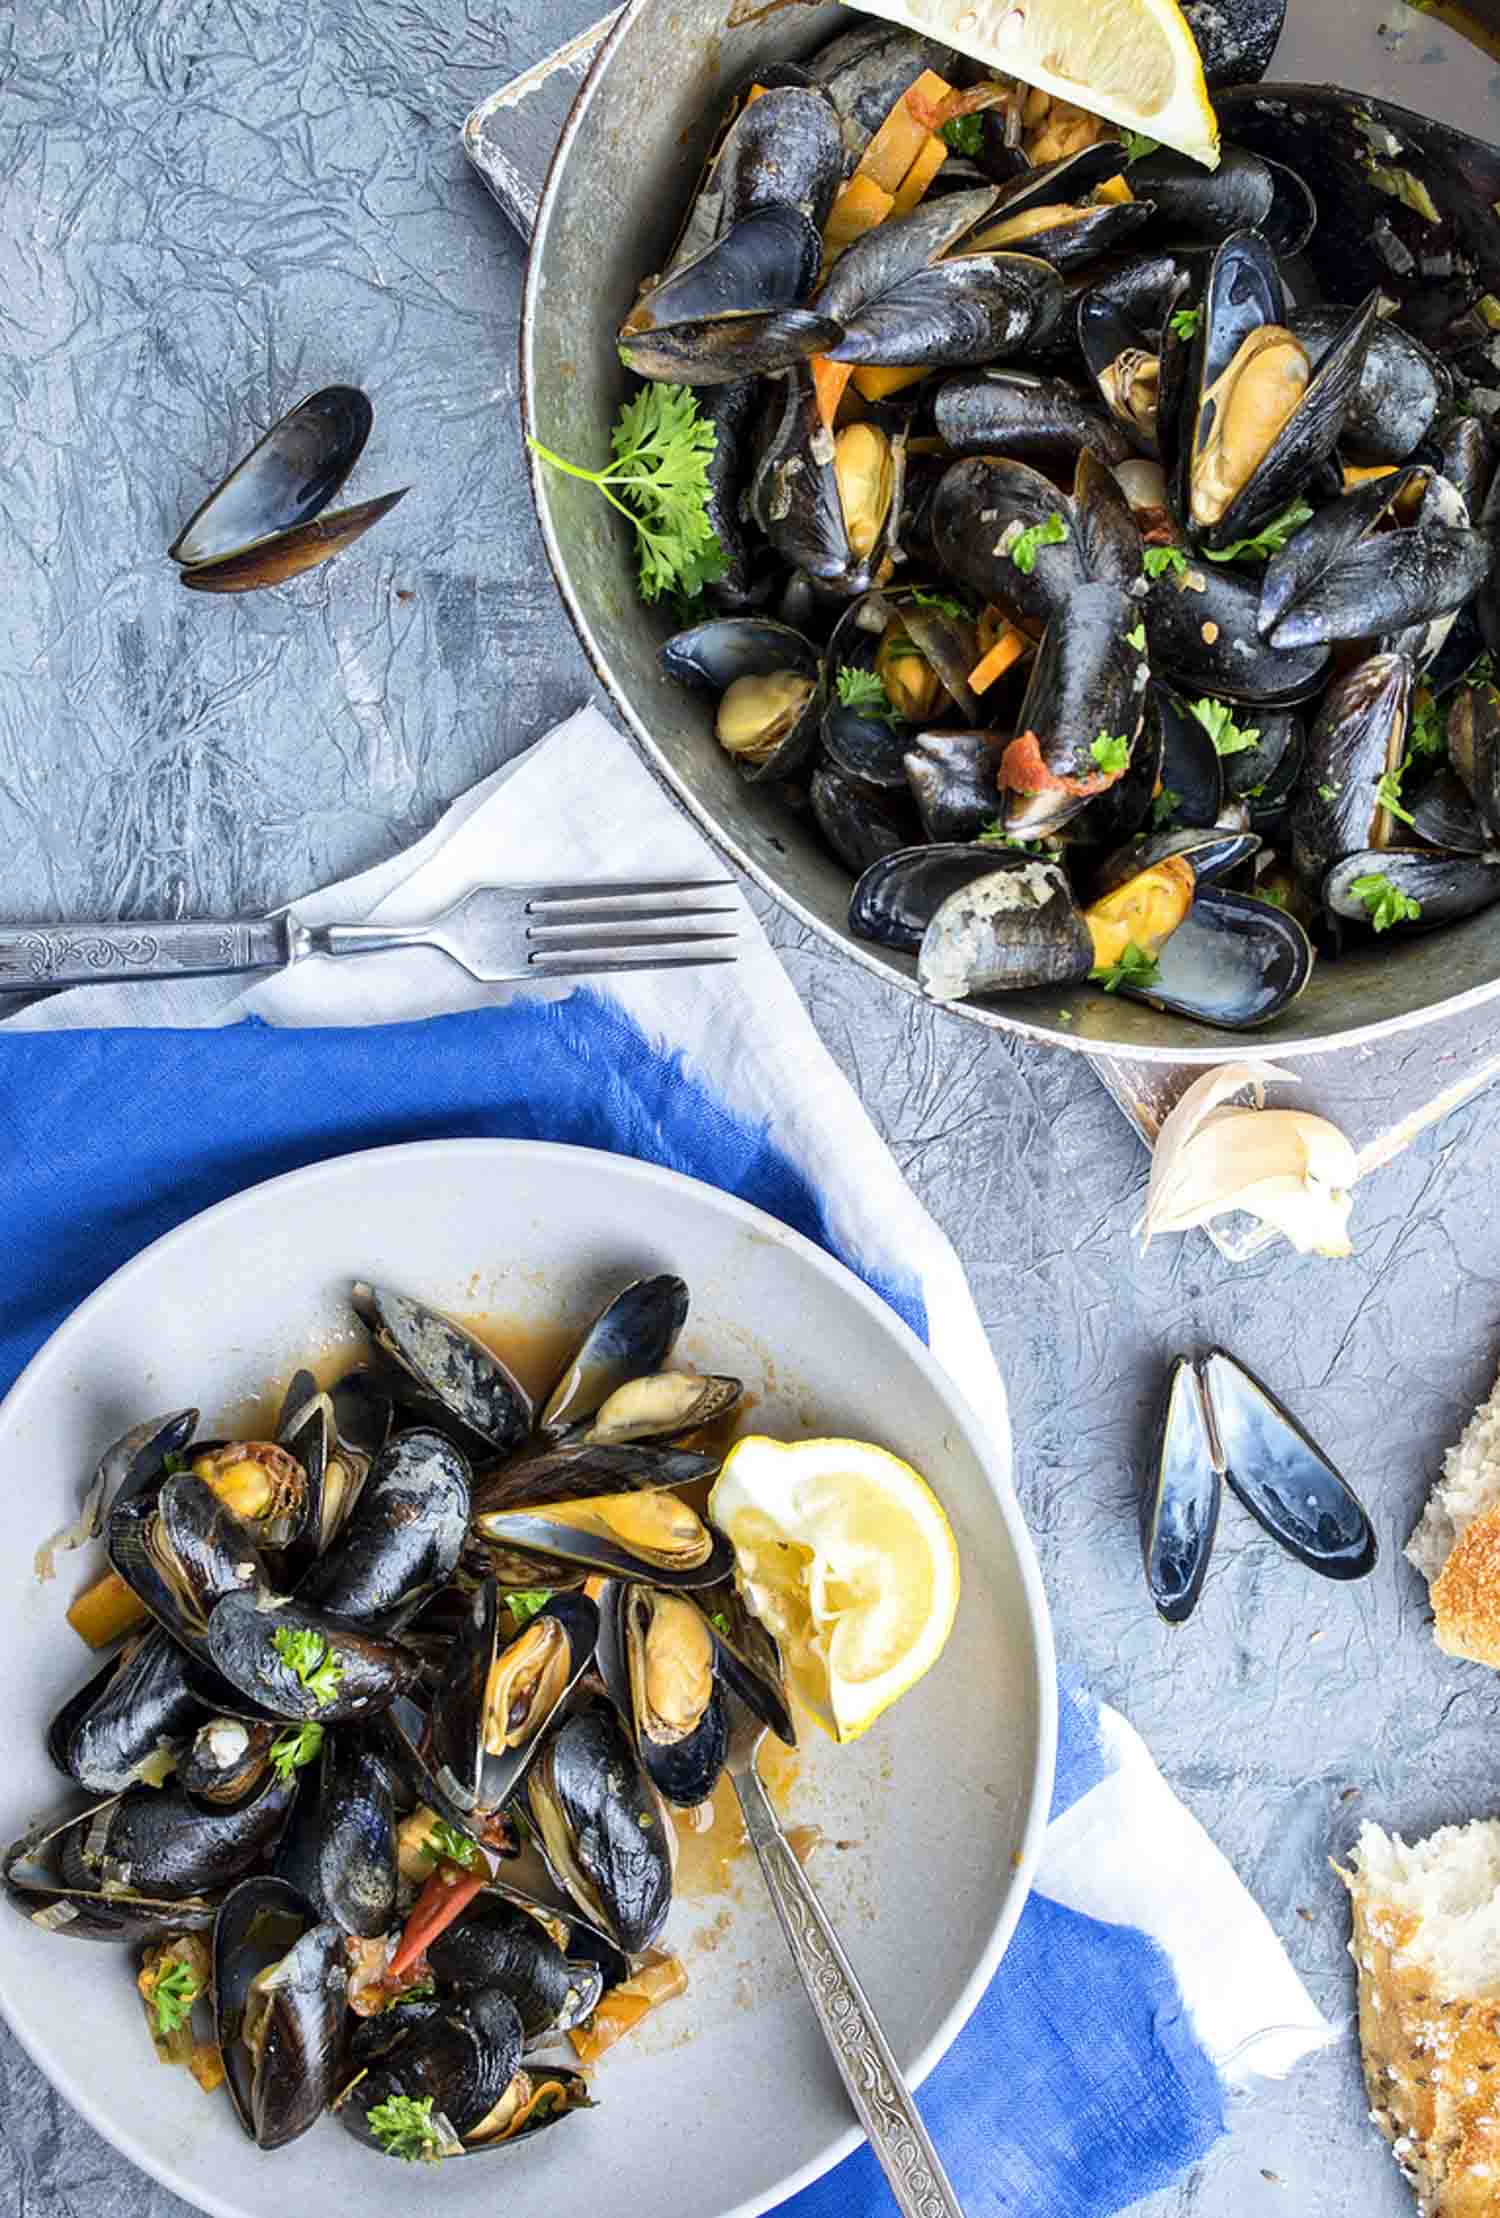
{"type": "Point", "coordinates": [881, 2098]}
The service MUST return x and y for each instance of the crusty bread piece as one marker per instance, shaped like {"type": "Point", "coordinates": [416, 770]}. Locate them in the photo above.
{"type": "Point", "coordinates": [1457, 1543]}
{"type": "Point", "coordinates": [1427, 1943]}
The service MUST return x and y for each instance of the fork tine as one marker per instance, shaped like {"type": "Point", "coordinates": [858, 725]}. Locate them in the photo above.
{"type": "Point", "coordinates": [543, 898]}
{"type": "Point", "coordinates": [541, 958]}
{"type": "Point", "coordinates": [606, 924]}
{"type": "Point", "coordinates": [581, 967]}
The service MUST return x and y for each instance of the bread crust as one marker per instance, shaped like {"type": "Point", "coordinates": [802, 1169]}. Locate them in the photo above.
{"type": "Point", "coordinates": [1466, 1593]}
{"type": "Point", "coordinates": [1432, 2065]}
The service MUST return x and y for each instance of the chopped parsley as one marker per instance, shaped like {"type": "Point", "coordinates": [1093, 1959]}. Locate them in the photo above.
{"type": "Point", "coordinates": [1427, 733]}
{"type": "Point", "coordinates": [1217, 720]}
{"type": "Point", "coordinates": [1111, 751]}
{"type": "Point", "coordinates": [1388, 795]}
{"type": "Point", "coordinates": [995, 835]}
{"type": "Point", "coordinates": [1481, 672]}
{"type": "Point", "coordinates": [864, 692]}
{"type": "Point", "coordinates": [1138, 145]}
{"type": "Point", "coordinates": [1329, 793]}
{"type": "Point", "coordinates": [1159, 560]}
{"type": "Point", "coordinates": [173, 1463]}
{"type": "Point", "coordinates": [944, 603]}
{"type": "Point", "coordinates": [296, 1746]}
{"type": "Point", "coordinates": [173, 1996]}
{"type": "Point", "coordinates": [1164, 808]}
{"type": "Point", "coordinates": [1386, 903]}
{"type": "Point", "coordinates": [527, 1602]}
{"type": "Point", "coordinates": [1273, 894]}
{"type": "Point", "coordinates": [1185, 321]}
{"type": "Point", "coordinates": [405, 2127]}
{"type": "Point", "coordinates": [1024, 547]}
{"type": "Point", "coordinates": [1270, 539]}
{"type": "Point", "coordinates": [1135, 968]}
{"type": "Point", "coordinates": [719, 1621]}
{"type": "Point", "coordinates": [445, 1840]}
{"type": "Point", "coordinates": [1137, 639]}
{"type": "Point", "coordinates": [965, 134]}
{"type": "Point", "coordinates": [309, 1658]}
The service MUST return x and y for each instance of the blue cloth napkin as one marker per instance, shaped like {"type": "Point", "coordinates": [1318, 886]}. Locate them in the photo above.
{"type": "Point", "coordinates": [1141, 1984]}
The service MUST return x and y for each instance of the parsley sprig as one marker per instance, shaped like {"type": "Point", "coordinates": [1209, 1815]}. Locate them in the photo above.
{"type": "Point", "coordinates": [1111, 752]}
{"type": "Point", "coordinates": [1137, 145]}
{"type": "Point", "coordinates": [944, 603]}
{"type": "Point", "coordinates": [1185, 321]}
{"type": "Point", "coordinates": [296, 1746]}
{"type": "Point", "coordinates": [965, 134]}
{"type": "Point", "coordinates": [1427, 733]}
{"type": "Point", "coordinates": [1217, 720]}
{"type": "Point", "coordinates": [1388, 794]}
{"type": "Point", "coordinates": [1051, 532]}
{"type": "Point", "coordinates": [173, 1997]}
{"type": "Point", "coordinates": [1386, 903]}
{"type": "Point", "coordinates": [864, 692]}
{"type": "Point", "coordinates": [1269, 540]}
{"type": "Point", "coordinates": [1158, 560]}
{"type": "Point", "coordinates": [1134, 968]}
{"type": "Point", "coordinates": [995, 835]}
{"type": "Point", "coordinates": [445, 1840]}
{"type": "Point", "coordinates": [405, 2127]}
{"type": "Point", "coordinates": [309, 1658]}
{"type": "Point", "coordinates": [1163, 808]}
{"type": "Point", "coordinates": [526, 1602]}
{"type": "Point", "coordinates": [658, 478]}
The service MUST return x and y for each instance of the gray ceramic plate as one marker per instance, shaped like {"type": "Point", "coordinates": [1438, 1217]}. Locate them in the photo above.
{"type": "Point", "coordinates": [729, 2102]}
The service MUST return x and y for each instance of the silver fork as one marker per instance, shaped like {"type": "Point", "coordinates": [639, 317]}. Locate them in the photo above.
{"type": "Point", "coordinates": [882, 2100]}
{"type": "Point", "coordinates": [498, 934]}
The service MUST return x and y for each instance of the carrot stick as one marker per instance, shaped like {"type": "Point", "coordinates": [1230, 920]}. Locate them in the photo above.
{"type": "Point", "coordinates": [1008, 648]}
{"type": "Point", "coordinates": [829, 382]}
{"type": "Point", "coordinates": [445, 1895]}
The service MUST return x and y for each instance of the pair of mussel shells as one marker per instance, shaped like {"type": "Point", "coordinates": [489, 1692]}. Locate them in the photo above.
{"type": "Point", "coordinates": [1220, 1425]}
{"type": "Point", "coordinates": [265, 523]}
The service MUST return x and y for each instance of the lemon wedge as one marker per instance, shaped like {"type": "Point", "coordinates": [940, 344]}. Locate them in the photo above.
{"type": "Point", "coordinates": [844, 1553]}
{"type": "Point", "coordinates": [1134, 61]}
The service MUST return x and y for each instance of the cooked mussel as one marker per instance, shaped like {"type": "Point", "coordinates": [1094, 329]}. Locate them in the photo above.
{"type": "Point", "coordinates": [298, 1663]}
{"type": "Point", "coordinates": [136, 1461]}
{"type": "Point", "coordinates": [279, 1987]}
{"type": "Point", "coordinates": [1357, 568]}
{"type": "Point", "coordinates": [335, 1437]}
{"type": "Point", "coordinates": [982, 508]}
{"type": "Point", "coordinates": [1283, 1477]}
{"type": "Point", "coordinates": [1041, 420]}
{"type": "Point", "coordinates": [1202, 629]}
{"type": "Point", "coordinates": [768, 681]}
{"type": "Point", "coordinates": [444, 1373]}
{"type": "Point", "coordinates": [1081, 714]}
{"type": "Point", "coordinates": [895, 900]}
{"type": "Point", "coordinates": [357, 1877]}
{"type": "Point", "coordinates": [181, 1551]}
{"type": "Point", "coordinates": [1400, 389]}
{"type": "Point", "coordinates": [749, 1658]}
{"type": "Point", "coordinates": [860, 821]}
{"type": "Point", "coordinates": [1356, 741]}
{"type": "Point", "coordinates": [649, 1533]}
{"type": "Point", "coordinates": [575, 1469]}
{"type": "Point", "coordinates": [828, 502]}
{"type": "Point", "coordinates": [912, 295]}
{"type": "Point", "coordinates": [1126, 368]}
{"type": "Point", "coordinates": [131, 1721]}
{"type": "Point", "coordinates": [503, 1942]}
{"type": "Point", "coordinates": [403, 1538]}
{"type": "Point", "coordinates": [734, 310]}
{"type": "Point", "coordinates": [498, 1695]}
{"type": "Point", "coordinates": [1409, 887]}
{"type": "Point", "coordinates": [1054, 210]}
{"type": "Point", "coordinates": [1016, 926]}
{"type": "Point", "coordinates": [264, 522]}
{"type": "Point", "coordinates": [665, 1665]}
{"type": "Point", "coordinates": [632, 1335]}
{"type": "Point", "coordinates": [601, 1829]}
{"type": "Point", "coordinates": [1180, 1508]}
{"type": "Point", "coordinates": [1234, 961]}
{"type": "Point", "coordinates": [1244, 192]}
{"type": "Point", "coordinates": [664, 1406]}
{"type": "Point", "coordinates": [954, 778]}
{"type": "Point", "coordinates": [460, 2065]}
{"type": "Point", "coordinates": [226, 1760]}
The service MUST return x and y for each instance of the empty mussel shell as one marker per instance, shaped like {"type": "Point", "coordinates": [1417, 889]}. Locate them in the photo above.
{"type": "Point", "coordinates": [402, 1539]}
{"type": "Point", "coordinates": [1283, 1477]}
{"type": "Point", "coordinates": [1180, 1508]}
{"type": "Point", "coordinates": [286, 479]}
{"type": "Point", "coordinates": [277, 560]}
{"type": "Point", "coordinates": [749, 1658]}
{"type": "Point", "coordinates": [444, 1372]}
{"type": "Point", "coordinates": [632, 1335]}
{"type": "Point", "coordinates": [279, 1988]}
{"type": "Point", "coordinates": [1234, 961]}
{"type": "Point", "coordinates": [130, 1721]}
{"type": "Point", "coordinates": [604, 1834]}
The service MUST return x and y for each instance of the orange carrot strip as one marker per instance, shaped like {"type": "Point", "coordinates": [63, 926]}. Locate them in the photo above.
{"type": "Point", "coordinates": [829, 381]}
{"type": "Point", "coordinates": [446, 1894]}
{"type": "Point", "coordinates": [1008, 648]}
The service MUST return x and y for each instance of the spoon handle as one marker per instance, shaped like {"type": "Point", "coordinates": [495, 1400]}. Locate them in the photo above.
{"type": "Point", "coordinates": [876, 2088]}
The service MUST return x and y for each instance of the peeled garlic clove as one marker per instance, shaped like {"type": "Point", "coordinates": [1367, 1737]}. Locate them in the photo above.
{"type": "Point", "coordinates": [1289, 1168]}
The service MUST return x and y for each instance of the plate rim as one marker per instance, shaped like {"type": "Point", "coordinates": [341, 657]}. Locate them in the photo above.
{"type": "Point", "coordinates": [632, 1169]}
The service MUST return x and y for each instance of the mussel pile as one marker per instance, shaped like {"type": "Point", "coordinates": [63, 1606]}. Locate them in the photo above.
{"type": "Point", "coordinates": [423, 1630]}
{"type": "Point", "coordinates": [1107, 542]}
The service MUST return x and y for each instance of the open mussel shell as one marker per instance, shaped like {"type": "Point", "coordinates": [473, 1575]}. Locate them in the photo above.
{"type": "Point", "coordinates": [734, 310]}
{"type": "Point", "coordinates": [279, 1988]}
{"type": "Point", "coordinates": [901, 248]}
{"type": "Point", "coordinates": [48, 1881]}
{"type": "Point", "coordinates": [180, 1551]}
{"type": "Point", "coordinates": [895, 900]}
{"type": "Point", "coordinates": [1445, 887]}
{"type": "Point", "coordinates": [1358, 735]}
{"type": "Point", "coordinates": [954, 780]}
{"type": "Point", "coordinates": [1016, 926]}
{"type": "Point", "coordinates": [357, 1877]}
{"type": "Point", "coordinates": [1400, 389]}
{"type": "Point", "coordinates": [1263, 775]}
{"type": "Point", "coordinates": [1234, 961]}
{"type": "Point", "coordinates": [1339, 578]}
{"type": "Point", "coordinates": [336, 1437]}
{"type": "Point", "coordinates": [767, 680]}
{"type": "Point", "coordinates": [1014, 412]}
{"type": "Point", "coordinates": [1180, 1508]}
{"type": "Point", "coordinates": [1125, 365]}
{"type": "Point", "coordinates": [225, 1761]}
{"type": "Point", "coordinates": [1283, 1477]}
{"type": "Point", "coordinates": [443, 1372]}
{"type": "Point", "coordinates": [1474, 747]}
{"type": "Point", "coordinates": [749, 1658]}
{"type": "Point", "coordinates": [649, 1533]}
{"type": "Point", "coordinates": [518, 1948]}
{"type": "Point", "coordinates": [576, 1470]}
{"type": "Point", "coordinates": [633, 1334]}
{"type": "Point", "coordinates": [136, 1461]}
{"type": "Point", "coordinates": [661, 1665]}
{"type": "Point", "coordinates": [402, 1539]}
{"type": "Point", "coordinates": [131, 1719]}
{"type": "Point", "coordinates": [368, 1672]}
{"type": "Point", "coordinates": [497, 1696]}
{"type": "Point", "coordinates": [601, 1829]}
{"type": "Point", "coordinates": [277, 560]}
{"type": "Point", "coordinates": [285, 480]}
{"type": "Point", "coordinates": [1443, 814]}
{"type": "Point", "coordinates": [1212, 850]}
{"type": "Point", "coordinates": [663, 1407]}
{"type": "Point", "coordinates": [158, 1843]}
{"type": "Point", "coordinates": [1050, 211]}
{"type": "Point", "coordinates": [1192, 769]}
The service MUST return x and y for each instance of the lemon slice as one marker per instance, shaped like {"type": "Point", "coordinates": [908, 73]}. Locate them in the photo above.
{"type": "Point", "coordinates": [843, 1552]}
{"type": "Point", "coordinates": [1134, 61]}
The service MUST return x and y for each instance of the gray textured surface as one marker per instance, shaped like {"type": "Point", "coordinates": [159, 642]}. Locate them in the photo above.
{"type": "Point", "coordinates": [214, 206]}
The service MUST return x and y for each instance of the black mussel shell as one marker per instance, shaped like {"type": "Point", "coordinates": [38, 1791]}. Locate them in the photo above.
{"type": "Point", "coordinates": [162, 1844]}
{"type": "Point", "coordinates": [403, 1538]}
{"type": "Point", "coordinates": [732, 410]}
{"type": "Point", "coordinates": [1474, 747]}
{"type": "Point", "coordinates": [213, 1553]}
{"type": "Point", "coordinates": [785, 146]}
{"type": "Point", "coordinates": [49, 1882]}
{"type": "Point", "coordinates": [761, 265]}
{"type": "Point", "coordinates": [715, 655]}
{"type": "Point", "coordinates": [1016, 926]}
{"type": "Point", "coordinates": [682, 1754]}
{"type": "Point", "coordinates": [1126, 368]}
{"type": "Point", "coordinates": [1049, 211]}
{"type": "Point", "coordinates": [1235, 44]}
{"type": "Point", "coordinates": [136, 1709]}
{"type": "Point", "coordinates": [1358, 735]}
{"type": "Point", "coordinates": [277, 560]}
{"type": "Point", "coordinates": [1400, 390]}
{"type": "Point", "coordinates": [663, 1407]}
{"type": "Point", "coordinates": [131, 1464]}
{"type": "Point", "coordinates": [1180, 1508]}
{"type": "Point", "coordinates": [1354, 582]}
{"type": "Point", "coordinates": [860, 822]}
{"type": "Point", "coordinates": [1234, 961]}
{"type": "Point", "coordinates": [1445, 887]}
{"type": "Point", "coordinates": [974, 308]}
{"type": "Point", "coordinates": [497, 1943]}
{"type": "Point", "coordinates": [448, 1368]}
{"type": "Point", "coordinates": [270, 1954]}
{"type": "Point", "coordinates": [865, 71]}
{"type": "Point", "coordinates": [461, 2058]}
{"type": "Point", "coordinates": [980, 508]}
{"type": "Point", "coordinates": [1192, 769]}
{"type": "Point", "coordinates": [729, 348]}
{"type": "Point", "coordinates": [1213, 850]}
{"type": "Point", "coordinates": [1464, 457]}
{"type": "Point", "coordinates": [1443, 814]}
{"type": "Point", "coordinates": [1256, 773]}
{"type": "Point", "coordinates": [532, 1674]}
{"type": "Point", "coordinates": [1126, 807]}
{"type": "Point", "coordinates": [536, 1533]}
{"type": "Point", "coordinates": [633, 1334]}
{"type": "Point", "coordinates": [601, 1829]}
{"type": "Point", "coordinates": [1201, 625]}
{"type": "Point", "coordinates": [368, 1672]}
{"type": "Point", "coordinates": [749, 1659]}
{"type": "Point", "coordinates": [286, 479]}
{"type": "Point", "coordinates": [954, 781]}
{"type": "Point", "coordinates": [226, 1760]}
{"type": "Point", "coordinates": [1283, 1477]}
{"type": "Point", "coordinates": [899, 249]}
{"type": "Point", "coordinates": [578, 1470]}
{"type": "Point", "coordinates": [1088, 681]}
{"type": "Point", "coordinates": [1015, 412]}
{"type": "Point", "coordinates": [1245, 192]}
{"type": "Point", "coordinates": [895, 900]}
{"type": "Point", "coordinates": [357, 1836]}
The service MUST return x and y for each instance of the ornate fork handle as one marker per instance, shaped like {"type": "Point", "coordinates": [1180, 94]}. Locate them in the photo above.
{"type": "Point", "coordinates": [868, 2069]}
{"type": "Point", "coordinates": [37, 955]}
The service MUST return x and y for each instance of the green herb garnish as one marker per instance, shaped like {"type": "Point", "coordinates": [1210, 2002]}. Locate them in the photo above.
{"type": "Point", "coordinates": [527, 1602]}
{"type": "Point", "coordinates": [1273, 894]}
{"type": "Point", "coordinates": [1185, 321]}
{"type": "Point", "coordinates": [1111, 751]}
{"type": "Point", "coordinates": [1135, 968]}
{"type": "Point", "coordinates": [1217, 720]}
{"type": "Point", "coordinates": [1386, 903]}
{"type": "Point", "coordinates": [1137, 639]}
{"type": "Point", "coordinates": [965, 134]}
{"type": "Point", "coordinates": [661, 449]}
{"type": "Point", "coordinates": [404, 2126]}
{"type": "Point", "coordinates": [1164, 808]}
{"type": "Point", "coordinates": [172, 1463]}
{"type": "Point", "coordinates": [1158, 560]}
{"type": "Point", "coordinates": [1426, 734]}
{"type": "Point", "coordinates": [1050, 533]}
{"type": "Point", "coordinates": [1481, 672]}
{"type": "Point", "coordinates": [995, 835]}
{"type": "Point", "coordinates": [864, 692]}
{"type": "Point", "coordinates": [719, 1621]}
{"type": "Point", "coordinates": [1388, 794]}
{"type": "Point", "coordinates": [1329, 793]}
{"type": "Point", "coordinates": [1137, 145]}
{"type": "Point", "coordinates": [944, 603]}
{"type": "Point", "coordinates": [1269, 540]}
{"type": "Point", "coordinates": [309, 1658]}
{"type": "Point", "coordinates": [295, 1746]}
{"type": "Point", "coordinates": [445, 1840]}
{"type": "Point", "coordinates": [173, 1997]}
